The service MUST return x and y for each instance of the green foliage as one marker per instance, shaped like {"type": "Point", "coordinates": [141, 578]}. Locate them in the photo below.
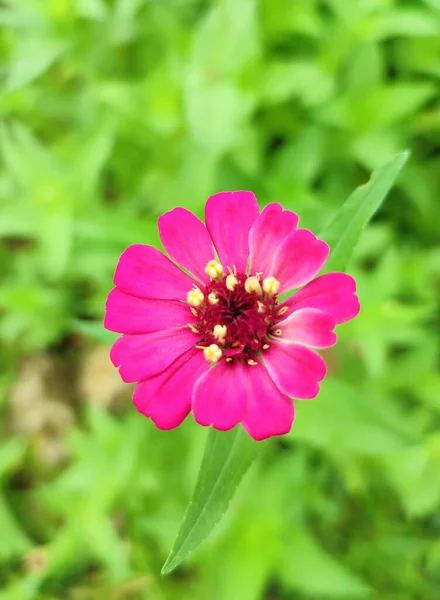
{"type": "Point", "coordinates": [114, 111]}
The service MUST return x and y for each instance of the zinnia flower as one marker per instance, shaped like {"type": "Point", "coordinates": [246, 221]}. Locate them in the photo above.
{"type": "Point", "coordinates": [205, 330]}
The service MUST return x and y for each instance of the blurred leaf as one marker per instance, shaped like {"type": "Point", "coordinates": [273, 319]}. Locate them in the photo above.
{"type": "Point", "coordinates": [92, 157]}
{"type": "Point", "coordinates": [416, 475]}
{"type": "Point", "coordinates": [124, 19]}
{"type": "Point", "coordinates": [25, 588]}
{"type": "Point", "coordinates": [435, 4]}
{"type": "Point", "coordinates": [215, 113]}
{"type": "Point", "coordinates": [33, 57]}
{"type": "Point", "coordinates": [11, 454]}
{"type": "Point", "coordinates": [95, 331]}
{"type": "Point", "coordinates": [13, 540]}
{"type": "Point", "coordinates": [345, 228]}
{"type": "Point", "coordinates": [344, 418]}
{"type": "Point", "coordinates": [305, 80]}
{"type": "Point", "coordinates": [226, 39]}
{"type": "Point", "coordinates": [405, 22]}
{"type": "Point", "coordinates": [393, 103]}
{"type": "Point", "coordinates": [306, 567]}
{"type": "Point", "coordinates": [92, 9]}
{"type": "Point", "coordinates": [216, 106]}
{"type": "Point", "coordinates": [228, 455]}
{"type": "Point", "coordinates": [283, 16]}
{"type": "Point", "coordinates": [105, 544]}
{"type": "Point", "coordinates": [366, 69]}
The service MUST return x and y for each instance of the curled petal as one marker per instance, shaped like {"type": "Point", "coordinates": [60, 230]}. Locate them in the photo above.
{"type": "Point", "coordinates": [145, 272]}
{"type": "Point", "coordinates": [219, 397]}
{"type": "Point", "coordinates": [129, 314]}
{"type": "Point", "coordinates": [309, 326]}
{"type": "Point", "coordinates": [269, 411]}
{"type": "Point", "coordinates": [166, 397]}
{"type": "Point", "coordinates": [333, 292]}
{"type": "Point", "coordinates": [147, 354]}
{"type": "Point", "coordinates": [187, 241]}
{"type": "Point", "coordinates": [229, 218]}
{"type": "Point", "coordinates": [269, 230]}
{"type": "Point", "coordinates": [295, 369]}
{"type": "Point", "coordinates": [299, 259]}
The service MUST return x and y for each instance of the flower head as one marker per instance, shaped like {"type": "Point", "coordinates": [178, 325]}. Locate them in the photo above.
{"type": "Point", "coordinates": [216, 339]}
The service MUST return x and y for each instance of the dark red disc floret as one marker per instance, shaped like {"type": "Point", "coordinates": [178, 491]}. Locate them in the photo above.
{"type": "Point", "coordinates": [250, 318]}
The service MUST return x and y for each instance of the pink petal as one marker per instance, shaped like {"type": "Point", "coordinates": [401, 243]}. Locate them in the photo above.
{"type": "Point", "coordinates": [332, 292]}
{"type": "Point", "coordinates": [187, 241]}
{"type": "Point", "coordinates": [229, 217]}
{"type": "Point", "coordinates": [299, 259]}
{"type": "Point", "coordinates": [145, 272]}
{"type": "Point", "coordinates": [166, 398]}
{"type": "Point", "coordinates": [146, 354]}
{"type": "Point", "coordinates": [266, 234]}
{"type": "Point", "coordinates": [309, 326]}
{"type": "Point", "coordinates": [269, 411]}
{"type": "Point", "coordinates": [129, 314]}
{"type": "Point", "coordinates": [295, 369]}
{"type": "Point", "coordinates": [219, 397]}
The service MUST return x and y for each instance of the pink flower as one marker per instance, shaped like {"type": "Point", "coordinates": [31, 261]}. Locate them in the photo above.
{"type": "Point", "coordinates": [216, 339]}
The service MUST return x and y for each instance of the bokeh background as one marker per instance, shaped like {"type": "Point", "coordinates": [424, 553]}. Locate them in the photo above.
{"type": "Point", "coordinates": [114, 111]}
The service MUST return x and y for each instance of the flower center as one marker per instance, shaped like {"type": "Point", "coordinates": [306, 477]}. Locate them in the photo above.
{"type": "Point", "coordinates": [236, 315]}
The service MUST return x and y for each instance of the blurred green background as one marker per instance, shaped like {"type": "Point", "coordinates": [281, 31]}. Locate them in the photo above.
{"type": "Point", "coordinates": [114, 111]}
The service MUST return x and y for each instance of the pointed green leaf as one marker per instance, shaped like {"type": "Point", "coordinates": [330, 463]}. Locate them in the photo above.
{"type": "Point", "coordinates": [228, 455]}
{"type": "Point", "coordinates": [343, 232]}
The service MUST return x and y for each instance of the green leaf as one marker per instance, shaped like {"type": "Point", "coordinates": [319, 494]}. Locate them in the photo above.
{"type": "Point", "coordinates": [406, 23]}
{"type": "Point", "coordinates": [14, 540]}
{"type": "Point", "coordinates": [227, 38]}
{"type": "Point", "coordinates": [92, 9]}
{"type": "Point", "coordinates": [216, 113]}
{"type": "Point", "coordinates": [11, 454]}
{"type": "Point", "coordinates": [228, 455]}
{"type": "Point", "coordinates": [94, 330]}
{"type": "Point", "coordinates": [303, 79]}
{"type": "Point", "coordinates": [415, 474]}
{"type": "Point", "coordinates": [343, 232]}
{"type": "Point", "coordinates": [31, 59]}
{"type": "Point", "coordinates": [304, 559]}
{"type": "Point", "coordinates": [347, 420]}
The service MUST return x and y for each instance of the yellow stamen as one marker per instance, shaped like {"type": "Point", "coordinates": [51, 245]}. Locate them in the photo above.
{"type": "Point", "coordinates": [252, 362]}
{"type": "Point", "coordinates": [229, 359]}
{"type": "Point", "coordinates": [194, 312]}
{"type": "Point", "coordinates": [195, 297]}
{"type": "Point", "coordinates": [214, 269]}
{"type": "Point", "coordinates": [277, 332]}
{"type": "Point", "coordinates": [282, 311]}
{"type": "Point", "coordinates": [213, 353]}
{"type": "Point", "coordinates": [266, 347]}
{"type": "Point", "coordinates": [212, 298]}
{"type": "Point", "coordinates": [231, 282]}
{"type": "Point", "coordinates": [261, 308]}
{"type": "Point", "coordinates": [271, 286]}
{"type": "Point", "coordinates": [193, 329]}
{"type": "Point", "coordinates": [253, 285]}
{"type": "Point", "coordinates": [220, 332]}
